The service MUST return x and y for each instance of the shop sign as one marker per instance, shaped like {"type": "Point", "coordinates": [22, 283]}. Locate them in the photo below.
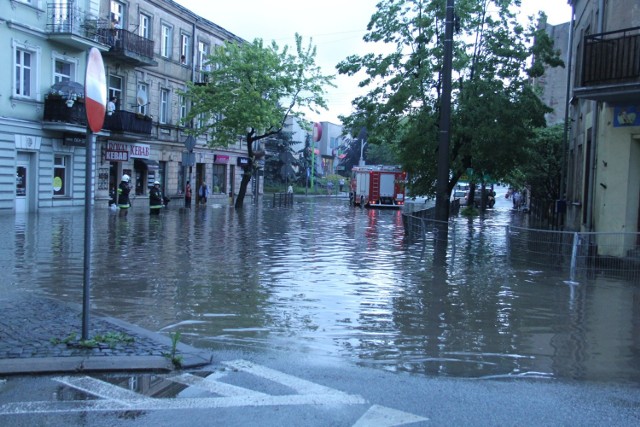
{"type": "Point", "coordinates": [626, 116]}
{"type": "Point", "coordinates": [116, 156]}
{"type": "Point", "coordinates": [116, 152]}
{"type": "Point", "coordinates": [139, 151]}
{"type": "Point", "coordinates": [243, 161]}
{"type": "Point", "coordinates": [75, 140]}
{"type": "Point", "coordinates": [121, 152]}
{"type": "Point", "coordinates": [220, 158]}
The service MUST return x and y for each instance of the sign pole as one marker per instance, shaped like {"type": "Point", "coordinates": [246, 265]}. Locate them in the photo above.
{"type": "Point", "coordinates": [88, 226]}
{"type": "Point", "coordinates": [95, 94]}
{"type": "Point", "coordinates": [317, 136]}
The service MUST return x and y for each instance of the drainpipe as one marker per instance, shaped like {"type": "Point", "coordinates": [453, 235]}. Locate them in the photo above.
{"type": "Point", "coordinates": [193, 51]}
{"type": "Point", "coordinates": [567, 106]}
{"type": "Point", "coordinates": [594, 133]}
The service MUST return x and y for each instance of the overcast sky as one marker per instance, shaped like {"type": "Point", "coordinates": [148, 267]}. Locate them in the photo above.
{"type": "Point", "coordinates": [335, 26]}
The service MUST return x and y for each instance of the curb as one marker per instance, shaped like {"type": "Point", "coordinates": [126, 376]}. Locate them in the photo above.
{"type": "Point", "coordinates": [147, 356]}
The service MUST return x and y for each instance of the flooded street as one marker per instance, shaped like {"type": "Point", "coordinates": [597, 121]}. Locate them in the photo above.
{"type": "Point", "coordinates": [325, 279]}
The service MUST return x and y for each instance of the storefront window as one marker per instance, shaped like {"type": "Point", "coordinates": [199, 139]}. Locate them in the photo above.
{"type": "Point", "coordinates": [219, 179]}
{"type": "Point", "coordinates": [60, 175]}
{"type": "Point", "coordinates": [181, 179]}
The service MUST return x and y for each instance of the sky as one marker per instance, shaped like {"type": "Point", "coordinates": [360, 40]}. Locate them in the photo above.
{"type": "Point", "coordinates": [336, 28]}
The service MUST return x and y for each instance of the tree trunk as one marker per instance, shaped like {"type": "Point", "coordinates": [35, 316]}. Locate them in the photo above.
{"type": "Point", "coordinates": [246, 178]}
{"type": "Point", "coordinates": [246, 174]}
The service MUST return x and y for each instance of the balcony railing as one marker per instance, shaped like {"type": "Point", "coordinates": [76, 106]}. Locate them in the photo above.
{"type": "Point", "coordinates": [126, 121]}
{"type": "Point", "coordinates": [69, 24]}
{"type": "Point", "coordinates": [56, 110]}
{"type": "Point", "coordinates": [128, 46]}
{"type": "Point", "coordinates": [612, 58]}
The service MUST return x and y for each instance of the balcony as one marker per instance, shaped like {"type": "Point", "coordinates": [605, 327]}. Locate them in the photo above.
{"type": "Point", "coordinates": [127, 47]}
{"type": "Point", "coordinates": [59, 116]}
{"type": "Point", "coordinates": [68, 25]}
{"type": "Point", "coordinates": [126, 121]}
{"type": "Point", "coordinates": [611, 67]}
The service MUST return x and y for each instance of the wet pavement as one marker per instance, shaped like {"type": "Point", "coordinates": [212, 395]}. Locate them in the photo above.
{"type": "Point", "coordinates": [43, 335]}
{"type": "Point", "coordinates": [318, 278]}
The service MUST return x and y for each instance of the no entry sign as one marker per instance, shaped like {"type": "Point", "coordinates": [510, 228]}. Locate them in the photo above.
{"type": "Point", "coordinates": [95, 90]}
{"type": "Point", "coordinates": [317, 132]}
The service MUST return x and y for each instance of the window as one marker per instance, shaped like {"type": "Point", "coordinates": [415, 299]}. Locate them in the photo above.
{"type": "Point", "coordinates": [63, 71]}
{"type": "Point", "coordinates": [142, 98]}
{"type": "Point", "coordinates": [144, 26]}
{"type": "Point", "coordinates": [117, 13]}
{"type": "Point", "coordinates": [23, 73]}
{"type": "Point", "coordinates": [25, 68]}
{"type": "Point", "coordinates": [185, 43]}
{"type": "Point", "coordinates": [62, 15]}
{"type": "Point", "coordinates": [219, 179]}
{"type": "Point", "coordinates": [60, 175]}
{"type": "Point", "coordinates": [183, 109]}
{"type": "Point", "coordinates": [165, 41]}
{"type": "Point", "coordinates": [200, 121]}
{"type": "Point", "coordinates": [164, 106]}
{"type": "Point", "coordinates": [115, 89]}
{"type": "Point", "coordinates": [203, 53]}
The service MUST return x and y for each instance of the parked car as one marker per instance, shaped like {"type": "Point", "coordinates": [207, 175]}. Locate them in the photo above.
{"type": "Point", "coordinates": [459, 195]}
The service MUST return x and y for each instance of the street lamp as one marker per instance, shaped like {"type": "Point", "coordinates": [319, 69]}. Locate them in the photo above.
{"type": "Point", "coordinates": [189, 144]}
{"type": "Point", "coordinates": [362, 144]}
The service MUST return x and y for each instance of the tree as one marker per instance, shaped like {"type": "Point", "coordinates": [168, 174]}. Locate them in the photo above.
{"type": "Point", "coordinates": [280, 159]}
{"type": "Point", "coordinates": [251, 90]}
{"type": "Point", "coordinates": [541, 170]}
{"type": "Point", "coordinates": [494, 106]}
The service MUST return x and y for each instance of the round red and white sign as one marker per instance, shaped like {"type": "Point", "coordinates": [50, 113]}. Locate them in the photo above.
{"type": "Point", "coordinates": [317, 132]}
{"type": "Point", "coordinates": [95, 90]}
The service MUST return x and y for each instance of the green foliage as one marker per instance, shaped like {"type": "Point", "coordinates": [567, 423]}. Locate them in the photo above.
{"type": "Point", "coordinates": [251, 90]}
{"type": "Point", "coordinates": [110, 339]}
{"type": "Point", "coordinates": [541, 169]}
{"type": "Point", "coordinates": [175, 358]}
{"type": "Point", "coordinates": [382, 154]}
{"type": "Point", "coordinates": [494, 107]}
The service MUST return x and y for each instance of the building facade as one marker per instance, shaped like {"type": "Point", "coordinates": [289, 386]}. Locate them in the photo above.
{"type": "Point", "coordinates": [604, 145]}
{"type": "Point", "coordinates": [327, 148]}
{"type": "Point", "coordinates": [553, 84]}
{"type": "Point", "coordinates": [150, 48]}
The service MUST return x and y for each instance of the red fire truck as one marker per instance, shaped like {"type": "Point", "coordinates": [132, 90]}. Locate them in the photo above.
{"type": "Point", "coordinates": [378, 186]}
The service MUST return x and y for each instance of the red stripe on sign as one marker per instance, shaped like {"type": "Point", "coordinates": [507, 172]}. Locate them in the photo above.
{"type": "Point", "coordinates": [95, 114]}
{"type": "Point", "coordinates": [95, 90]}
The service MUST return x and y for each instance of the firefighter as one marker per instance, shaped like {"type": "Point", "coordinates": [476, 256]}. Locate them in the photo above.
{"type": "Point", "coordinates": [124, 203]}
{"type": "Point", "coordinates": [156, 201]}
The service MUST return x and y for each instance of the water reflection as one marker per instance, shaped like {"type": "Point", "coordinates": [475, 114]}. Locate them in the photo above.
{"type": "Point", "coordinates": [324, 278]}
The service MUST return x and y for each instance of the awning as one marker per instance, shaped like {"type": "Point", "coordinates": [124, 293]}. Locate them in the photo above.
{"type": "Point", "coordinates": [149, 164]}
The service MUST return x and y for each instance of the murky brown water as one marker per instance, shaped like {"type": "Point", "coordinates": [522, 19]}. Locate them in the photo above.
{"type": "Point", "coordinates": [325, 279]}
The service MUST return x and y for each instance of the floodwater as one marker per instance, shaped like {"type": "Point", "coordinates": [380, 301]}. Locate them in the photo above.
{"type": "Point", "coordinates": [328, 280]}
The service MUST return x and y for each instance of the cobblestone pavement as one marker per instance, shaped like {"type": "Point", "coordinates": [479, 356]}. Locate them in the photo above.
{"type": "Point", "coordinates": [39, 334]}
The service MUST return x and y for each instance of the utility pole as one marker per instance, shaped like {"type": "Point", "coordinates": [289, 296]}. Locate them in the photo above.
{"type": "Point", "coordinates": [442, 199]}
{"type": "Point", "coordinates": [442, 184]}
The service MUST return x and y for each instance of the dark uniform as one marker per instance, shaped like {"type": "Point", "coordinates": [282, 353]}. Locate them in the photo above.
{"type": "Point", "coordinates": [156, 201]}
{"type": "Point", "coordinates": [124, 203]}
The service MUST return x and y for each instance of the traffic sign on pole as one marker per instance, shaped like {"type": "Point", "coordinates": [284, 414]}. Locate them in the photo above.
{"type": "Point", "coordinates": [317, 132]}
{"type": "Point", "coordinates": [95, 90]}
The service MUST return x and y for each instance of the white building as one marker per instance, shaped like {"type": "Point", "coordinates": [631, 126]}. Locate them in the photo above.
{"type": "Point", "coordinates": [155, 47]}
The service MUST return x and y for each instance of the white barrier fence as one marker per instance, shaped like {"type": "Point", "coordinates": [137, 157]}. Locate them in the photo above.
{"type": "Point", "coordinates": [578, 254]}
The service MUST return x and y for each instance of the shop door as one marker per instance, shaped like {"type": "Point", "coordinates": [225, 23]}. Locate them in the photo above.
{"type": "Point", "coordinates": [22, 187]}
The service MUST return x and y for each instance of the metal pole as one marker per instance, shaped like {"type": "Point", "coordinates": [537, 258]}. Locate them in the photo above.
{"type": "Point", "coordinates": [442, 201]}
{"type": "Point", "coordinates": [567, 107]}
{"type": "Point", "coordinates": [313, 161]}
{"type": "Point", "coordinates": [88, 226]}
{"type": "Point", "coordinates": [574, 257]}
